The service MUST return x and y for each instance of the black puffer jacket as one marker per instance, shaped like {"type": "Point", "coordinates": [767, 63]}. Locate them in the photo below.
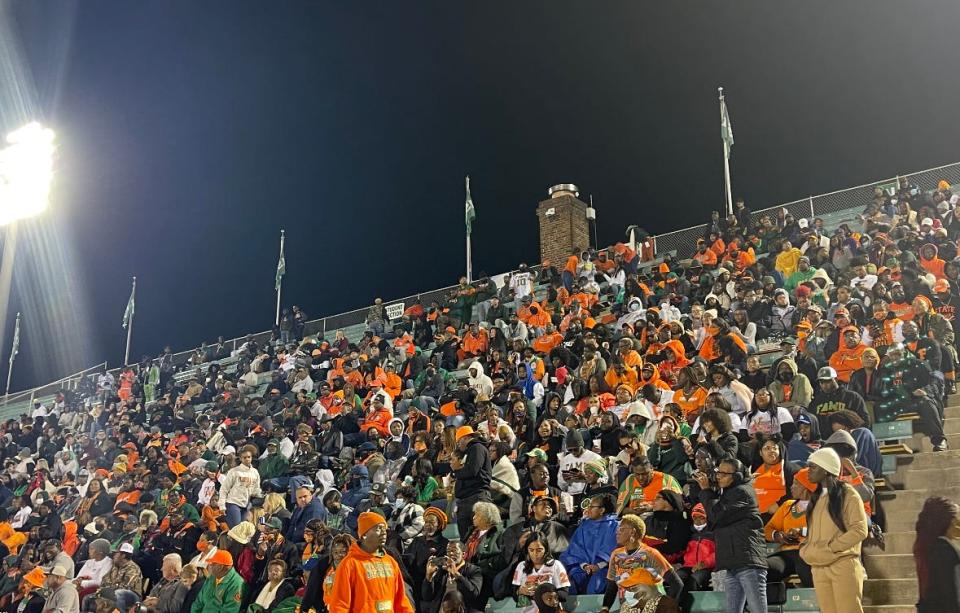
{"type": "Point", "coordinates": [734, 518]}
{"type": "Point", "coordinates": [474, 477]}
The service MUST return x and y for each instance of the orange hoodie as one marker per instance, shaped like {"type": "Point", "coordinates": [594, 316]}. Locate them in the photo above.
{"type": "Point", "coordinates": [935, 264]}
{"type": "Point", "coordinates": [845, 361]}
{"type": "Point", "coordinates": [368, 583]}
{"type": "Point", "coordinates": [669, 368]}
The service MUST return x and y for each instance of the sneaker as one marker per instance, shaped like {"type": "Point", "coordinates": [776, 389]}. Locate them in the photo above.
{"type": "Point", "coordinates": [941, 446]}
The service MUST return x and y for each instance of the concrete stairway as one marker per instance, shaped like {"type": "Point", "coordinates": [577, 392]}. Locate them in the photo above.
{"type": "Point", "coordinates": [892, 583]}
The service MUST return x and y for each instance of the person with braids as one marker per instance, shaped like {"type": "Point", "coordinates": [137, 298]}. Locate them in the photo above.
{"type": "Point", "coordinates": [639, 574]}
{"type": "Point", "coordinates": [836, 528]}
{"type": "Point", "coordinates": [936, 552]}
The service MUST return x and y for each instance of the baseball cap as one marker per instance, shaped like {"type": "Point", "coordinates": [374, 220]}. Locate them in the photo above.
{"type": "Point", "coordinates": [463, 431]}
{"type": "Point", "coordinates": [59, 571]}
{"type": "Point", "coordinates": [803, 418]}
{"type": "Point", "coordinates": [126, 548]}
{"type": "Point", "coordinates": [826, 373]}
{"type": "Point", "coordinates": [274, 523]}
{"type": "Point", "coordinates": [540, 454]}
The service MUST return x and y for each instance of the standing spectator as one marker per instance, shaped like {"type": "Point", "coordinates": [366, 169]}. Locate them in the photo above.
{"type": "Point", "coordinates": [242, 482]}
{"type": "Point", "coordinates": [936, 551]}
{"type": "Point", "coordinates": [734, 517]}
{"type": "Point", "coordinates": [376, 318]}
{"type": "Point", "coordinates": [472, 473]}
{"type": "Point", "coordinates": [368, 579]}
{"type": "Point", "coordinates": [836, 528]}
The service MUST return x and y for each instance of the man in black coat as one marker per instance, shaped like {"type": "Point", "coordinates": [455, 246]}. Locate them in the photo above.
{"type": "Point", "coordinates": [833, 397]}
{"type": "Point", "coordinates": [472, 473]}
{"type": "Point", "coordinates": [449, 573]}
{"type": "Point", "coordinates": [734, 518]}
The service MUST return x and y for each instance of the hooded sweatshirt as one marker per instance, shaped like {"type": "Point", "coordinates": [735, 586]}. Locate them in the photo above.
{"type": "Point", "coordinates": [798, 392]}
{"type": "Point", "coordinates": [368, 583]}
{"type": "Point", "coordinates": [933, 265]}
{"type": "Point", "coordinates": [482, 384]}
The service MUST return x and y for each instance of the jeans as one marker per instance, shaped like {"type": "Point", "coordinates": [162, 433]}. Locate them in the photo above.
{"type": "Point", "coordinates": [234, 514]}
{"type": "Point", "coordinates": [746, 586]}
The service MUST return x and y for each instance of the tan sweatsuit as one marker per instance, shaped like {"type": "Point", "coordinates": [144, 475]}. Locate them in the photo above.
{"type": "Point", "coordinates": [834, 556]}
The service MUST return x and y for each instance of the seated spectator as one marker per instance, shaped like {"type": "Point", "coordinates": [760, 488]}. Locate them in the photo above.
{"type": "Point", "coordinates": [699, 558]}
{"type": "Point", "coordinates": [868, 450]}
{"type": "Point", "coordinates": [449, 571]}
{"type": "Point", "coordinates": [668, 529]}
{"type": "Point", "coordinates": [787, 527]}
{"type": "Point", "coordinates": [772, 474]}
{"type": "Point", "coordinates": [638, 574]}
{"type": "Point", "coordinates": [642, 485]}
{"type": "Point", "coordinates": [538, 566]}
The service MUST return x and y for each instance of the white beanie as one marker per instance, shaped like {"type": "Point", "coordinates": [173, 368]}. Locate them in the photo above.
{"type": "Point", "coordinates": [827, 459]}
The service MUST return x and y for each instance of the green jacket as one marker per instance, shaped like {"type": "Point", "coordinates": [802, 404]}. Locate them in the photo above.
{"type": "Point", "coordinates": [273, 466]}
{"type": "Point", "coordinates": [223, 598]}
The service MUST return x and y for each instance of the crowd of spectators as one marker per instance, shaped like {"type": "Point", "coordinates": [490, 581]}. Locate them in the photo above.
{"type": "Point", "coordinates": [603, 427]}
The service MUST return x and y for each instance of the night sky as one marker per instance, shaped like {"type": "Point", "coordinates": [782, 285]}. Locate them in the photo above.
{"type": "Point", "coordinates": [192, 132]}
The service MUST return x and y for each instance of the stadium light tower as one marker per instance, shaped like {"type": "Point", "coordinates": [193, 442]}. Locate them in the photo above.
{"type": "Point", "coordinates": [26, 172]}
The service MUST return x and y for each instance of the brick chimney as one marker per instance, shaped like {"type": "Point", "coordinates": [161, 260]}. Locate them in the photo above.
{"type": "Point", "coordinates": [563, 224]}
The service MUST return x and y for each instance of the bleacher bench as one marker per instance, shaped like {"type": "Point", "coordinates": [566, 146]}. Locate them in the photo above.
{"type": "Point", "coordinates": [892, 434]}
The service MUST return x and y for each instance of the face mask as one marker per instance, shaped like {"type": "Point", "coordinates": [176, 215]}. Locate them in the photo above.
{"type": "Point", "coordinates": [699, 528]}
{"type": "Point", "coordinates": [785, 377]}
{"type": "Point", "coordinates": [202, 546]}
{"type": "Point", "coordinates": [802, 505]}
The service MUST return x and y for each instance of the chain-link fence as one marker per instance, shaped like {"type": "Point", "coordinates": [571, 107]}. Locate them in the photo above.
{"type": "Point", "coordinates": [682, 243]}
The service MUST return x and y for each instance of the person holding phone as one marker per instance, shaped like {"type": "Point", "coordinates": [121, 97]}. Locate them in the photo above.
{"type": "Point", "coordinates": [788, 528]}
{"type": "Point", "coordinates": [450, 572]}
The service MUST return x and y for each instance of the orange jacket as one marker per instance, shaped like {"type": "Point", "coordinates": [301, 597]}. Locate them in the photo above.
{"type": "Point", "coordinates": [367, 583]}
{"type": "Point", "coordinates": [475, 343]}
{"type": "Point", "coordinates": [571, 266]}
{"type": "Point", "coordinates": [543, 344]}
{"type": "Point", "coordinates": [707, 259]}
{"type": "Point", "coordinates": [629, 378]}
{"type": "Point", "coordinates": [845, 361]}
{"type": "Point", "coordinates": [392, 384]}
{"type": "Point", "coordinates": [632, 359]}
{"type": "Point", "coordinates": [719, 247]}
{"type": "Point", "coordinates": [379, 421]}
{"type": "Point", "coordinates": [625, 252]}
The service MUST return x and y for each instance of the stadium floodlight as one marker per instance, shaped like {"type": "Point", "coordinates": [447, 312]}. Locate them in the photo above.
{"type": "Point", "coordinates": [26, 172]}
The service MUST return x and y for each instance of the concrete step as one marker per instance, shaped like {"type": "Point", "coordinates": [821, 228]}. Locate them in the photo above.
{"type": "Point", "coordinates": [924, 460]}
{"type": "Point", "coordinates": [951, 425]}
{"type": "Point", "coordinates": [951, 411]}
{"type": "Point", "coordinates": [887, 565]}
{"type": "Point", "coordinates": [927, 478]}
{"type": "Point", "coordinates": [922, 443]}
{"type": "Point", "coordinates": [890, 591]}
{"type": "Point", "coordinates": [890, 608]}
{"type": "Point", "coordinates": [897, 543]}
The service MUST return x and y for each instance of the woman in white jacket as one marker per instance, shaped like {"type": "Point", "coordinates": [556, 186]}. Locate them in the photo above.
{"type": "Point", "coordinates": [240, 485]}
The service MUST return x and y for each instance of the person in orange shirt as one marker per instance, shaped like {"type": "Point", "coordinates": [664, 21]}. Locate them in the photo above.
{"type": "Point", "coordinates": [569, 272]}
{"type": "Point", "coordinates": [717, 245]}
{"type": "Point", "coordinates": [931, 262]}
{"type": "Point", "coordinates": [474, 343]}
{"type": "Point", "coordinates": [706, 257]}
{"type": "Point", "coordinates": [550, 339]}
{"type": "Point", "coordinates": [849, 357]}
{"type": "Point", "coordinates": [378, 417]}
{"type": "Point", "coordinates": [392, 383]}
{"type": "Point", "coordinates": [619, 374]}
{"type": "Point", "coordinates": [368, 579]}
{"type": "Point", "coordinates": [628, 355]}
{"type": "Point", "coordinates": [539, 318]}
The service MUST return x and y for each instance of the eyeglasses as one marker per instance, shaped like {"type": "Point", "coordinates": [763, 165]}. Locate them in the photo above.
{"type": "Point", "coordinates": [723, 472]}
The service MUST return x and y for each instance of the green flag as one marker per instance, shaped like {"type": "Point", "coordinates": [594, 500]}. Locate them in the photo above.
{"type": "Point", "coordinates": [281, 269]}
{"type": "Point", "coordinates": [726, 128]}
{"type": "Point", "coordinates": [128, 312]}
{"type": "Point", "coordinates": [470, 212]}
{"type": "Point", "coordinates": [16, 340]}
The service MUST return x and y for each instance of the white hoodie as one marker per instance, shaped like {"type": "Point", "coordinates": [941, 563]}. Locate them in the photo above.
{"type": "Point", "coordinates": [241, 484]}
{"type": "Point", "coordinates": [481, 383]}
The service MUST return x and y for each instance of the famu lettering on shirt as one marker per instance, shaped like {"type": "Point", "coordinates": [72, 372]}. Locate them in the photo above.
{"type": "Point", "coordinates": [377, 570]}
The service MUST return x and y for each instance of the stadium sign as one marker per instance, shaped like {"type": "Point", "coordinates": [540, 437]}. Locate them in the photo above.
{"type": "Point", "coordinates": [395, 310]}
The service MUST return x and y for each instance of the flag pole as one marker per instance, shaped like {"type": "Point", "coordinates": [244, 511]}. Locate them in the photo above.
{"type": "Point", "coordinates": [280, 277]}
{"type": "Point", "coordinates": [724, 118]}
{"type": "Point", "coordinates": [133, 295]}
{"type": "Point", "coordinates": [13, 354]}
{"type": "Point", "coordinates": [469, 250]}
